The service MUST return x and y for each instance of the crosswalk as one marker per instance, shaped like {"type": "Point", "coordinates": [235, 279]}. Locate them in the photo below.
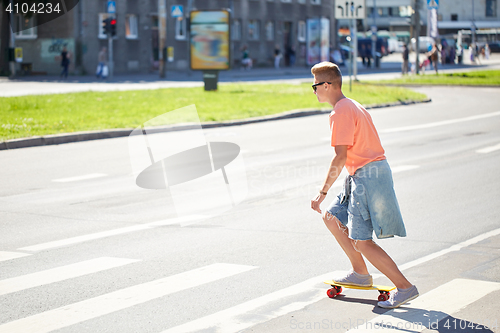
{"type": "Point", "coordinates": [440, 302]}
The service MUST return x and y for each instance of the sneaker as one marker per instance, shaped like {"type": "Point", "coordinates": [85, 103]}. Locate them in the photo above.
{"type": "Point", "coordinates": [355, 279]}
{"type": "Point", "coordinates": [400, 297]}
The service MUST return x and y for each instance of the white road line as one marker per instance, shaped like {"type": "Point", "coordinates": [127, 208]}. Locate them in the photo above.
{"type": "Point", "coordinates": [5, 255]}
{"type": "Point", "coordinates": [453, 248]}
{"type": "Point", "coordinates": [121, 299]}
{"type": "Point", "coordinates": [78, 178]}
{"type": "Point", "coordinates": [42, 278]}
{"type": "Point", "coordinates": [267, 307]}
{"type": "Point", "coordinates": [430, 308]}
{"type": "Point", "coordinates": [109, 233]}
{"type": "Point", "coordinates": [84, 238]}
{"type": "Point", "coordinates": [256, 311]}
{"type": "Point", "coordinates": [440, 123]}
{"type": "Point", "coordinates": [488, 149]}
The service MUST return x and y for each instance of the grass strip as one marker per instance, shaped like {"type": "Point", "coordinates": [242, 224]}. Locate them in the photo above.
{"type": "Point", "coordinates": [38, 115]}
{"type": "Point", "coordinates": [475, 78]}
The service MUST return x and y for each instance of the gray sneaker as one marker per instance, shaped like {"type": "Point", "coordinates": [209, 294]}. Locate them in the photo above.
{"type": "Point", "coordinates": [355, 279]}
{"type": "Point", "coordinates": [399, 297]}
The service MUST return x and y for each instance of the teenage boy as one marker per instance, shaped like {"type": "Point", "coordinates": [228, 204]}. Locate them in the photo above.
{"type": "Point", "coordinates": [368, 202]}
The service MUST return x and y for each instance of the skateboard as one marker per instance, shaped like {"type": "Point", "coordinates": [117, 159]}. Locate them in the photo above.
{"type": "Point", "coordinates": [337, 289]}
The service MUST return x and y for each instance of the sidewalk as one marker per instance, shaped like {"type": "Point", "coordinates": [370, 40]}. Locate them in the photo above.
{"type": "Point", "coordinates": [390, 66]}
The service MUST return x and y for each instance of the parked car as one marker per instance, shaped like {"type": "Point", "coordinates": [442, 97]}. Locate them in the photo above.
{"type": "Point", "coordinates": [494, 47]}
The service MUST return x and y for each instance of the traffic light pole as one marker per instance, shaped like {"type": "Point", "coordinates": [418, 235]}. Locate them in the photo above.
{"type": "Point", "coordinates": [111, 64]}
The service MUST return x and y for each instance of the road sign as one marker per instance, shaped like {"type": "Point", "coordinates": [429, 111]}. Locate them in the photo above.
{"type": "Point", "coordinates": [111, 7]}
{"type": "Point", "coordinates": [354, 9]}
{"type": "Point", "coordinates": [19, 54]}
{"type": "Point", "coordinates": [432, 4]}
{"type": "Point", "coordinates": [177, 11]}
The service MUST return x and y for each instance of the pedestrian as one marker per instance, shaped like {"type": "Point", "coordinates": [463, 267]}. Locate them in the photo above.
{"type": "Point", "coordinates": [65, 55]}
{"type": "Point", "coordinates": [246, 61]}
{"type": "Point", "coordinates": [368, 202]}
{"type": "Point", "coordinates": [277, 56]}
{"type": "Point", "coordinates": [406, 58]}
{"type": "Point", "coordinates": [292, 56]}
{"type": "Point", "coordinates": [102, 70]}
{"type": "Point", "coordinates": [433, 55]}
{"type": "Point", "coordinates": [487, 52]}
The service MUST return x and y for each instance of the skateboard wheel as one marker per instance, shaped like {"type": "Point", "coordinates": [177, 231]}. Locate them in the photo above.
{"type": "Point", "coordinates": [338, 289]}
{"type": "Point", "coordinates": [383, 297]}
{"type": "Point", "coordinates": [331, 292]}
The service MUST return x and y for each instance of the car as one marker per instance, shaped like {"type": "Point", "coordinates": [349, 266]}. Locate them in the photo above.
{"type": "Point", "coordinates": [494, 47]}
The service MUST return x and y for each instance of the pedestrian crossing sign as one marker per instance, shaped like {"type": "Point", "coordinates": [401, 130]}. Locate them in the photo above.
{"type": "Point", "coordinates": [432, 4]}
{"type": "Point", "coordinates": [177, 11]}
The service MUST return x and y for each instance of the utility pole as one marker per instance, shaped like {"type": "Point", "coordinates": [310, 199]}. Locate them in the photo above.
{"type": "Point", "coordinates": [162, 32]}
{"type": "Point", "coordinates": [374, 34]}
{"type": "Point", "coordinates": [473, 30]}
{"type": "Point", "coordinates": [417, 35]}
{"type": "Point", "coordinates": [12, 43]}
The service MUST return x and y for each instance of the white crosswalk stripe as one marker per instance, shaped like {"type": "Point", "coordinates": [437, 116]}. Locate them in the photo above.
{"type": "Point", "coordinates": [16, 284]}
{"type": "Point", "coordinates": [430, 308]}
{"type": "Point", "coordinates": [121, 299]}
{"type": "Point", "coordinates": [6, 255]}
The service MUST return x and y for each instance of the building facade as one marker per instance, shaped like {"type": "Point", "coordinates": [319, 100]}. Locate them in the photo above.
{"type": "Point", "coordinates": [261, 25]}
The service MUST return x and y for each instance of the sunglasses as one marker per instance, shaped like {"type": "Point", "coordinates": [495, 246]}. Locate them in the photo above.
{"type": "Point", "coordinates": [315, 86]}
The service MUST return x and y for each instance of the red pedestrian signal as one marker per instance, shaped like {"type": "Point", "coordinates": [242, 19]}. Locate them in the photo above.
{"type": "Point", "coordinates": [112, 24]}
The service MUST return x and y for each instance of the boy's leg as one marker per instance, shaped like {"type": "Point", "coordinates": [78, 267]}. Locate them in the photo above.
{"type": "Point", "coordinates": [341, 235]}
{"type": "Point", "coordinates": [383, 262]}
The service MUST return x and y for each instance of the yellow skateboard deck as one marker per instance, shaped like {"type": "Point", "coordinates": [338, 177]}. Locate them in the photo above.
{"type": "Point", "coordinates": [337, 289]}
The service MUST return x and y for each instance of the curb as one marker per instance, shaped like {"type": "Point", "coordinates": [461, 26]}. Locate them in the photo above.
{"type": "Point", "coordinates": [57, 139]}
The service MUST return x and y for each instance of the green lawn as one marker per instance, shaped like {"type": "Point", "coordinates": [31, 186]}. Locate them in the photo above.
{"type": "Point", "coordinates": [63, 113]}
{"type": "Point", "coordinates": [476, 78]}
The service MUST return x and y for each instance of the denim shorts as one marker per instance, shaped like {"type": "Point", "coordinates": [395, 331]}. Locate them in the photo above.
{"type": "Point", "coordinates": [368, 203]}
{"type": "Point", "coordinates": [348, 212]}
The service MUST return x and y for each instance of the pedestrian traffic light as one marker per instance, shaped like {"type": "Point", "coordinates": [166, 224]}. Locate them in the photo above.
{"type": "Point", "coordinates": [112, 25]}
{"type": "Point", "coordinates": [106, 28]}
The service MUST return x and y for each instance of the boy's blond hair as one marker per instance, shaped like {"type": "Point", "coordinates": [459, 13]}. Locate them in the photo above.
{"type": "Point", "coordinates": [328, 72]}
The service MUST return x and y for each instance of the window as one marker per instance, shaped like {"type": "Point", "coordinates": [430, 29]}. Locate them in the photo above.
{"type": "Point", "coordinates": [405, 11]}
{"type": "Point", "coordinates": [236, 31]}
{"type": "Point", "coordinates": [302, 1]}
{"type": "Point", "coordinates": [26, 23]}
{"type": "Point", "coordinates": [180, 28]}
{"type": "Point", "coordinates": [301, 34]}
{"type": "Point", "coordinates": [102, 17]}
{"type": "Point", "coordinates": [131, 31]}
{"type": "Point", "coordinates": [269, 30]}
{"type": "Point", "coordinates": [316, 2]}
{"type": "Point", "coordinates": [253, 30]}
{"type": "Point", "coordinates": [454, 17]}
{"type": "Point", "coordinates": [491, 8]}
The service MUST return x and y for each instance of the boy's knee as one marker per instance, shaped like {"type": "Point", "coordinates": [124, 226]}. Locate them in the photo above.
{"type": "Point", "coordinates": [363, 245]}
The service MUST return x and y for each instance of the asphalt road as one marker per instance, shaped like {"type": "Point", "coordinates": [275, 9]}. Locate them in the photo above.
{"type": "Point", "coordinates": [83, 249]}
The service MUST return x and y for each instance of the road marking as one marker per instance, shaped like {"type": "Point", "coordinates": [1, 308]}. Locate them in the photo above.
{"type": "Point", "coordinates": [78, 178]}
{"type": "Point", "coordinates": [488, 149]}
{"type": "Point", "coordinates": [121, 299]}
{"type": "Point", "coordinates": [257, 311]}
{"type": "Point", "coordinates": [4, 255]}
{"type": "Point", "coordinates": [440, 123]}
{"type": "Point", "coordinates": [453, 248]}
{"type": "Point", "coordinates": [84, 238]}
{"type": "Point", "coordinates": [267, 307]}
{"type": "Point", "coordinates": [109, 233]}
{"type": "Point", "coordinates": [427, 310]}
{"type": "Point", "coordinates": [49, 276]}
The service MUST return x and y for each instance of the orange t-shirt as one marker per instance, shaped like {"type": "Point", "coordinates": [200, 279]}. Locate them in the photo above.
{"type": "Point", "coordinates": [352, 125]}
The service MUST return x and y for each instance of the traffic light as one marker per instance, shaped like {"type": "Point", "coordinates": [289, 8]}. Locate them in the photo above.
{"type": "Point", "coordinates": [106, 27]}
{"type": "Point", "coordinates": [112, 25]}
